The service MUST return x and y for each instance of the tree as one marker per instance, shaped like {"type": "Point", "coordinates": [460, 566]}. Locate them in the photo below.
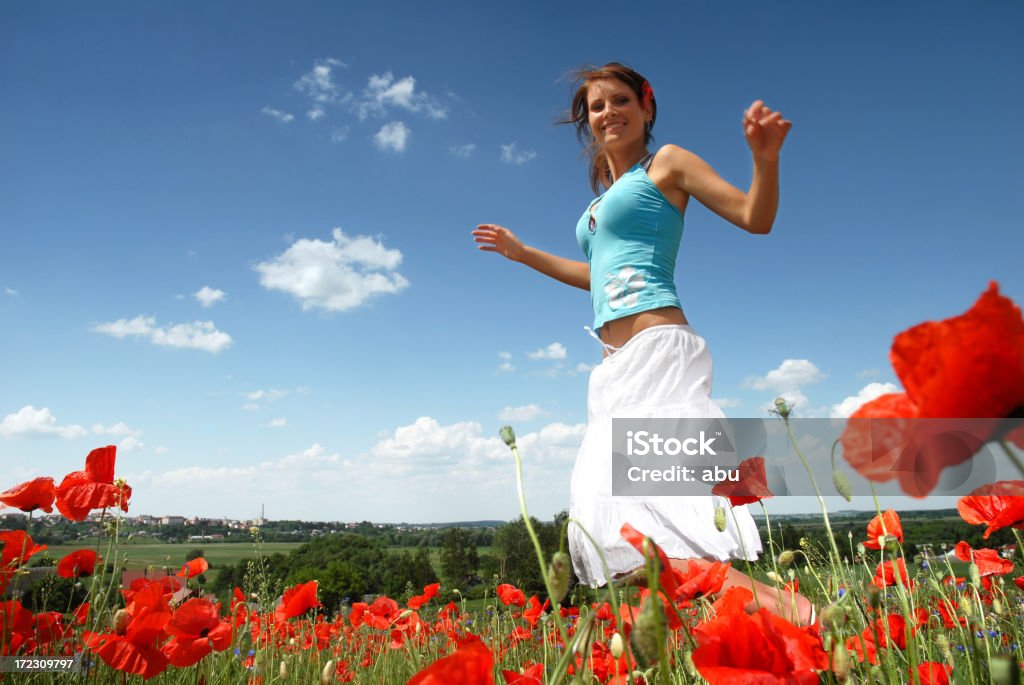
{"type": "Point", "coordinates": [193, 554]}
{"type": "Point", "coordinates": [516, 555]}
{"type": "Point", "coordinates": [459, 558]}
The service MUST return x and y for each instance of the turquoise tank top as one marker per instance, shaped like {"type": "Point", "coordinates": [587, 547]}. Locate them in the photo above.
{"type": "Point", "coordinates": [630, 235]}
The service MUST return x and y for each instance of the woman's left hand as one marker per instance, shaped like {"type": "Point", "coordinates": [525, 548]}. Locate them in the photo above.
{"type": "Point", "coordinates": [765, 130]}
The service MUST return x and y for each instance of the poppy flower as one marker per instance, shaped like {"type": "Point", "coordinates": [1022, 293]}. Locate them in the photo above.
{"type": "Point", "coordinates": [885, 524]}
{"type": "Point", "coordinates": [534, 609]}
{"type": "Point", "coordinates": [382, 613]}
{"type": "Point", "coordinates": [510, 594]}
{"type": "Point", "coordinates": [882, 633]}
{"type": "Point", "coordinates": [16, 623]}
{"type": "Point", "coordinates": [79, 564]}
{"type": "Point", "coordinates": [666, 577]}
{"type": "Point", "coordinates": [733, 600]}
{"type": "Point", "coordinates": [751, 486]}
{"type": "Point", "coordinates": [701, 578]}
{"type": "Point", "coordinates": [297, 600]}
{"type": "Point", "coordinates": [194, 567]}
{"type": "Point", "coordinates": [471, 664]}
{"type": "Point", "coordinates": [933, 673]}
{"type": "Point", "coordinates": [735, 648]}
{"type": "Point", "coordinates": [1019, 582]}
{"type": "Point", "coordinates": [17, 548]}
{"type": "Point", "coordinates": [197, 630]}
{"type": "Point", "coordinates": [531, 675]}
{"type": "Point", "coordinates": [94, 488]}
{"type": "Point", "coordinates": [997, 505]}
{"type": "Point", "coordinates": [988, 561]}
{"type": "Point", "coordinates": [970, 366]}
{"type": "Point", "coordinates": [131, 644]}
{"type": "Point", "coordinates": [885, 574]}
{"type": "Point", "coordinates": [37, 493]}
{"type": "Point", "coordinates": [429, 592]}
{"type": "Point", "coordinates": [50, 627]}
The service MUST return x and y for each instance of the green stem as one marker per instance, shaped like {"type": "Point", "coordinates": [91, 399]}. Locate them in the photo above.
{"type": "Point", "coordinates": [1013, 456]}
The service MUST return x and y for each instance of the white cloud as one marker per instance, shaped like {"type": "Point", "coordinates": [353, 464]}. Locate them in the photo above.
{"type": "Point", "coordinates": [269, 395]}
{"type": "Point", "coordinates": [510, 154]}
{"type": "Point", "coordinates": [130, 444]}
{"type": "Point", "coordinates": [505, 355]}
{"type": "Point", "coordinates": [315, 113]}
{"type": "Point", "coordinates": [278, 423]}
{"type": "Point", "coordinates": [339, 135]}
{"type": "Point", "coordinates": [335, 276]}
{"type": "Point", "coordinates": [383, 91]}
{"type": "Point", "coordinates": [506, 367]}
{"type": "Point", "coordinates": [553, 351]}
{"type": "Point", "coordinates": [585, 368]}
{"type": "Point", "coordinates": [791, 374]}
{"type": "Point", "coordinates": [727, 402]}
{"type": "Point", "coordinates": [198, 335]}
{"type": "Point", "coordinates": [29, 422]}
{"type": "Point", "coordinates": [866, 394]}
{"type": "Point", "coordinates": [463, 151]}
{"type": "Point", "coordinates": [318, 83]}
{"type": "Point", "coordinates": [119, 428]}
{"type": "Point", "coordinates": [524, 413]}
{"type": "Point", "coordinates": [392, 137]}
{"type": "Point", "coordinates": [251, 406]}
{"type": "Point", "coordinates": [869, 373]}
{"type": "Point", "coordinates": [208, 296]}
{"type": "Point", "coordinates": [161, 450]}
{"type": "Point", "coordinates": [10, 291]}
{"type": "Point", "coordinates": [283, 117]}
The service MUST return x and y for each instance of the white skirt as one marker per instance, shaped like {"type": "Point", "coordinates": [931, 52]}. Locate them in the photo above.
{"type": "Point", "coordinates": [663, 371]}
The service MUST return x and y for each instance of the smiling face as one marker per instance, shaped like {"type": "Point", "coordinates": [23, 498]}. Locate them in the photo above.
{"type": "Point", "coordinates": [614, 113]}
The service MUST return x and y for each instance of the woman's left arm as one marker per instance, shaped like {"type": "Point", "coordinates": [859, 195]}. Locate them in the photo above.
{"type": "Point", "coordinates": [753, 211]}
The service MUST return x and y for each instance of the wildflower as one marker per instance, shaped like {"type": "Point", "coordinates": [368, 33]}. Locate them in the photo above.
{"type": "Point", "coordinates": [842, 484]}
{"type": "Point", "coordinates": [529, 675]}
{"type": "Point", "coordinates": [558, 575]}
{"type": "Point", "coordinates": [998, 505]}
{"type": "Point", "coordinates": [193, 568]}
{"type": "Point", "coordinates": [510, 594]}
{"type": "Point", "coordinates": [508, 435]}
{"type": "Point", "coordinates": [94, 488]}
{"type": "Point", "coordinates": [751, 486]}
{"type": "Point", "coordinates": [988, 561]}
{"type": "Point", "coordinates": [297, 600]}
{"type": "Point", "coordinates": [615, 646]}
{"type": "Point", "coordinates": [933, 673]}
{"type": "Point", "coordinates": [882, 527]}
{"type": "Point", "coordinates": [649, 550]}
{"type": "Point", "coordinates": [968, 366]}
{"type": "Point", "coordinates": [429, 592]}
{"type": "Point", "coordinates": [197, 630]}
{"type": "Point", "coordinates": [37, 493]}
{"type": "Point", "coordinates": [787, 558]}
{"type": "Point", "coordinates": [472, 662]}
{"type": "Point", "coordinates": [78, 564]}
{"type": "Point", "coordinates": [649, 632]}
{"type": "Point", "coordinates": [781, 408]}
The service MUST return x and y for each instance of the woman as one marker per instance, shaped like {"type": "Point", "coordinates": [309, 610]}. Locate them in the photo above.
{"type": "Point", "coordinates": [654, 364]}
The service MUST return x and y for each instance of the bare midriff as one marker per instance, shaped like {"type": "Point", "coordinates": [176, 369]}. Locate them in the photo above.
{"type": "Point", "coordinates": [618, 331]}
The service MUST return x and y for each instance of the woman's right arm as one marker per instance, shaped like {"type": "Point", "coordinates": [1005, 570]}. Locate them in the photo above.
{"type": "Point", "coordinates": [494, 238]}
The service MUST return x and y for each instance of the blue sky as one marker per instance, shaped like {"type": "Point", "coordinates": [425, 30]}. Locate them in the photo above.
{"type": "Point", "coordinates": [237, 236]}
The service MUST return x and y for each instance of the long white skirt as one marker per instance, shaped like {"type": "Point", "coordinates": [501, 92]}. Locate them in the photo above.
{"type": "Point", "coordinates": [661, 372]}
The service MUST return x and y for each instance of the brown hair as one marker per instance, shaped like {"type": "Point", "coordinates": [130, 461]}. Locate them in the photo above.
{"type": "Point", "coordinates": [600, 174]}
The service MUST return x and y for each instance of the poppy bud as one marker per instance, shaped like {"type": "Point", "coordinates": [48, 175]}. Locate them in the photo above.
{"type": "Point", "coordinates": [558, 576]}
{"type": "Point", "coordinates": [615, 646]}
{"type": "Point", "coordinates": [787, 558]}
{"type": "Point", "coordinates": [775, 577]}
{"type": "Point", "coordinates": [508, 435]}
{"type": "Point", "coordinates": [834, 617]}
{"type": "Point", "coordinates": [942, 642]}
{"type": "Point", "coordinates": [405, 614]}
{"type": "Point", "coordinates": [842, 484]}
{"type": "Point", "coordinates": [874, 597]}
{"type": "Point", "coordinates": [791, 574]}
{"type": "Point", "coordinates": [861, 548]}
{"type": "Point", "coordinates": [781, 408]}
{"type": "Point", "coordinates": [689, 666]}
{"type": "Point", "coordinates": [283, 670]}
{"type": "Point", "coordinates": [997, 607]}
{"type": "Point", "coordinates": [841, 662]}
{"type": "Point", "coordinates": [119, 624]}
{"type": "Point", "coordinates": [327, 675]}
{"type": "Point", "coordinates": [720, 519]}
{"type": "Point", "coordinates": [974, 575]}
{"type": "Point", "coordinates": [648, 636]}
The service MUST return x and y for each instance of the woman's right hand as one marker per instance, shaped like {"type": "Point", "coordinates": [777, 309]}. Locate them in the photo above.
{"type": "Point", "coordinates": [494, 238]}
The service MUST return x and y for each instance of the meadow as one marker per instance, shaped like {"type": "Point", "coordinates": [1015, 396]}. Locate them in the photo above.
{"type": "Point", "coordinates": [881, 615]}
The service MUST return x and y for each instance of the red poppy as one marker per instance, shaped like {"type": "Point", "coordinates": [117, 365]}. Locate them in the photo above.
{"type": "Point", "coordinates": [297, 600]}
{"type": "Point", "coordinates": [534, 609]}
{"type": "Point", "coordinates": [733, 600]}
{"type": "Point", "coordinates": [933, 673]}
{"type": "Point", "coordinates": [193, 568]}
{"type": "Point", "coordinates": [17, 548]}
{"type": "Point", "coordinates": [751, 485]}
{"type": "Point", "coordinates": [471, 664]}
{"type": "Point", "coordinates": [94, 488]}
{"type": "Point", "coordinates": [882, 633]}
{"type": "Point", "coordinates": [510, 594]}
{"type": "Point", "coordinates": [382, 613]}
{"type": "Point", "coordinates": [885, 574]}
{"type": "Point", "coordinates": [1019, 582]}
{"type": "Point", "coordinates": [736, 648]}
{"type": "Point", "coordinates": [50, 627]}
{"type": "Point", "coordinates": [531, 675]}
{"type": "Point", "coordinates": [131, 644]}
{"type": "Point", "coordinates": [16, 626]}
{"type": "Point", "coordinates": [997, 505]}
{"type": "Point", "coordinates": [197, 630]}
{"type": "Point", "coordinates": [78, 564]}
{"type": "Point", "coordinates": [666, 578]}
{"type": "Point", "coordinates": [988, 561]}
{"type": "Point", "coordinates": [969, 366]}
{"type": "Point", "coordinates": [886, 523]}
{"type": "Point", "coordinates": [701, 578]}
{"type": "Point", "coordinates": [37, 493]}
{"type": "Point", "coordinates": [429, 592]}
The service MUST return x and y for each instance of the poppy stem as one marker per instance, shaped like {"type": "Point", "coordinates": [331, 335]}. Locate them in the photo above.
{"type": "Point", "coordinates": [1013, 457]}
